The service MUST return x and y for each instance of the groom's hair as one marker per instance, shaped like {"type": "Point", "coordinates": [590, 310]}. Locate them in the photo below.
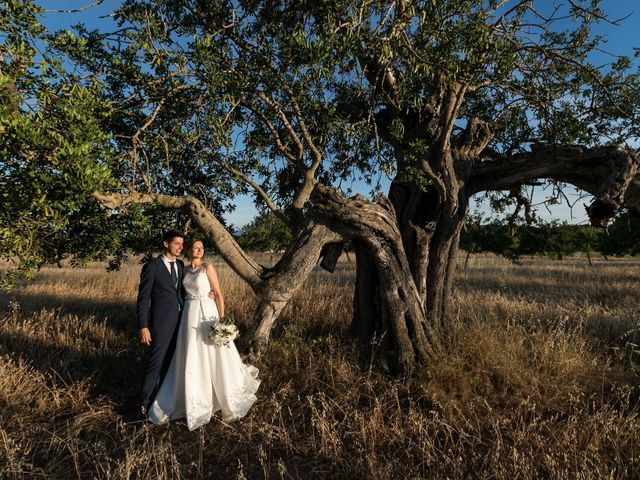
{"type": "Point", "coordinates": [171, 234]}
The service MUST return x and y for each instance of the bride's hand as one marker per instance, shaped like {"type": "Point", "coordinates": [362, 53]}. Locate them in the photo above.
{"type": "Point", "coordinates": [212, 295]}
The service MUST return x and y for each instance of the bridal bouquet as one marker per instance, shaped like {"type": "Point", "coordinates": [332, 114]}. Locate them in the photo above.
{"type": "Point", "coordinates": [223, 332]}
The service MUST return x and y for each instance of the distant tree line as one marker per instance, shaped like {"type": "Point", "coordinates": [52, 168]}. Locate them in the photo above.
{"type": "Point", "coordinates": [552, 238]}
{"type": "Point", "coordinates": [266, 233]}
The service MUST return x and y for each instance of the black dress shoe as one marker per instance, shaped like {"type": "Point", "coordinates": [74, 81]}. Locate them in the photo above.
{"type": "Point", "coordinates": [141, 414]}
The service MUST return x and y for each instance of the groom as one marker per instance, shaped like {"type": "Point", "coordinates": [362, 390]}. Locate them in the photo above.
{"type": "Point", "coordinates": [160, 300]}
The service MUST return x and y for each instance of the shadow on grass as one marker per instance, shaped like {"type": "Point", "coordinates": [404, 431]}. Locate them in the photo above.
{"type": "Point", "coordinates": [113, 376]}
{"type": "Point", "coordinates": [118, 314]}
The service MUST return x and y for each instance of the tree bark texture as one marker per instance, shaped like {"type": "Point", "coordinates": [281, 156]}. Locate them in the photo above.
{"type": "Point", "coordinates": [387, 302]}
{"type": "Point", "coordinates": [283, 280]}
{"type": "Point", "coordinates": [611, 174]}
{"type": "Point", "coordinates": [430, 224]}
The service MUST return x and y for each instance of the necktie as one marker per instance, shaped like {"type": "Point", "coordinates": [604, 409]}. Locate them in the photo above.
{"type": "Point", "coordinates": [174, 274]}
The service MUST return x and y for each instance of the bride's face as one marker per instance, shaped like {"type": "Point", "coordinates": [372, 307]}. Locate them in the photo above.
{"type": "Point", "coordinates": [196, 250]}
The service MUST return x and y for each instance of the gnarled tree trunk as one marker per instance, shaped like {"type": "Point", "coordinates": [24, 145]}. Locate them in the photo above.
{"type": "Point", "coordinates": [406, 246]}
{"type": "Point", "coordinates": [443, 251]}
{"type": "Point", "coordinates": [430, 224]}
{"type": "Point", "coordinates": [388, 304]}
{"type": "Point", "coordinates": [280, 282]}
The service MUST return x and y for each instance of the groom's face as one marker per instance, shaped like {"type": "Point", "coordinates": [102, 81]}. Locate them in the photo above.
{"type": "Point", "coordinates": [175, 246]}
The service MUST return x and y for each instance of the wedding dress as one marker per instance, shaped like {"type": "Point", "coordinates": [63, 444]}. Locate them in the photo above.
{"type": "Point", "coordinates": [203, 378]}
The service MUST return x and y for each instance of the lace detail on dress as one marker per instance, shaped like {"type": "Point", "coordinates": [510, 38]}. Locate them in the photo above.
{"type": "Point", "coordinates": [199, 412]}
{"type": "Point", "coordinates": [241, 400]}
{"type": "Point", "coordinates": [201, 267]}
{"type": "Point", "coordinates": [196, 283]}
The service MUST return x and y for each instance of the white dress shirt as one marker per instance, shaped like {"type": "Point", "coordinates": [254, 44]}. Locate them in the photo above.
{"type": "Point", "coordinates": [167, 262]}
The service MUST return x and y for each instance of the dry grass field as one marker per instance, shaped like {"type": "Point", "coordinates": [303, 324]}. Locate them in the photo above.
{"type": "Point", "coordinates": [539, 379]}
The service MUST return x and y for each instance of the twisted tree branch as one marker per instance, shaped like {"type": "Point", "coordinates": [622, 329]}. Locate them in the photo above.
{"type": "Point", "coordinates": [611, 174]}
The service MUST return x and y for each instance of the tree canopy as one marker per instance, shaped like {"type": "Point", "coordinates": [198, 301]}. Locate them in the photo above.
{"type": "Point", "coordinates": [52, 152]}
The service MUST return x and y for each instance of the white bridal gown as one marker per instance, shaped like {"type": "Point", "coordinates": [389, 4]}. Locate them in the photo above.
{"type": "Point", "coordinates": [203, 378]}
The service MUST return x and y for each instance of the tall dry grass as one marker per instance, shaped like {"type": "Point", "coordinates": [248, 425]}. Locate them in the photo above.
{"type": "Point", "coordinates": [538, 379]}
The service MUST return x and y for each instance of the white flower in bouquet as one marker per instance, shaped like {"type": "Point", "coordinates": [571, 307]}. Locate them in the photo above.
{"type": "Point", "coordinates": [224, 332]}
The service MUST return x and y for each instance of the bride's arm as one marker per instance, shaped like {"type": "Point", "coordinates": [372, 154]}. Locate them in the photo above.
{"type": "Point", "coordinates": [215, 287]}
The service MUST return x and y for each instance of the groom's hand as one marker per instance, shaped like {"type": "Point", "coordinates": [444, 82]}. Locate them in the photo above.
{"type": "Point", "coordinates": [145, 336]}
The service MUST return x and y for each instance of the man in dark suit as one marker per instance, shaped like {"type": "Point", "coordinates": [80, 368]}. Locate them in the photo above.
{"type": "Point", "coordinates": [160, 300]}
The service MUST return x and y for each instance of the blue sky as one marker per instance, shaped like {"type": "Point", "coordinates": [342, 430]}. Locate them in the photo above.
{"type": "Point", "coordinates": [620, 40]}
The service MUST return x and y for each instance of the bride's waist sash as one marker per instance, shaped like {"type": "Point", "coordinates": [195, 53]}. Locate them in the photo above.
{"type": "Point", "coordinates": [207, 308]}
{"type": "Point", "coordinates": [189, 296]}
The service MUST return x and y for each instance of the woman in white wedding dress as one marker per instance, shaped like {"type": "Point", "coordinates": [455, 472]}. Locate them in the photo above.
{"type": "Point", "coordinates": [203, 377]}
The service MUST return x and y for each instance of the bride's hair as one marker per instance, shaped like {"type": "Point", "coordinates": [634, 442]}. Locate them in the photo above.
{"type": "Point", "coordinates": [190, 244]}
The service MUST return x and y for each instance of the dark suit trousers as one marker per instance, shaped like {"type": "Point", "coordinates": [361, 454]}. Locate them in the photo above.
{"type": "Point", "coordinates": [163, 344]}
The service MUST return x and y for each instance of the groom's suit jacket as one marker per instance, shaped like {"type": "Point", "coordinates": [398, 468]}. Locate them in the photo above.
{"type": "Point", "coordinates": [159, 301]}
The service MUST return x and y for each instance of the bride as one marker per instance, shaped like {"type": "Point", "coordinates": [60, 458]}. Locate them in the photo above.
{"type": "Point", "coordinates": [204, 376]}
